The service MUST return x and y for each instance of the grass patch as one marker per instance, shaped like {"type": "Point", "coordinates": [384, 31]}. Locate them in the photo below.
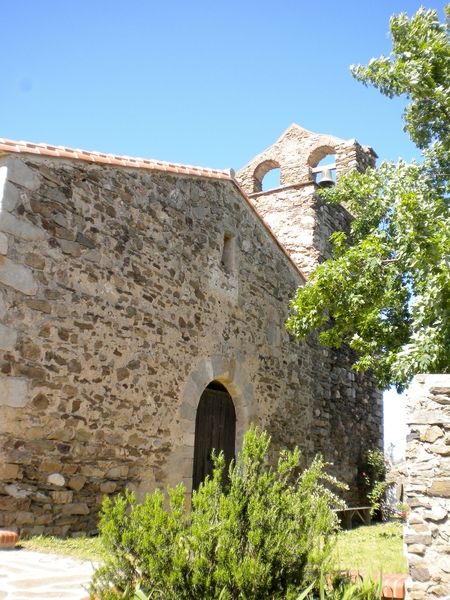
{"type": "Point", "coordinates": [85, 548]}
{"type": "Point", "coordinates": [372, 549]}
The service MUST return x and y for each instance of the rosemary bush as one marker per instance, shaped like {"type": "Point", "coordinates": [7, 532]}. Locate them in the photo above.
{"type": "Point", "coordinates": [261, 532]}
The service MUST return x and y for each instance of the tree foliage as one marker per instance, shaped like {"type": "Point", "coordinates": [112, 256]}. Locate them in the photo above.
{"type": "Point", "coordinates": [386, 289]}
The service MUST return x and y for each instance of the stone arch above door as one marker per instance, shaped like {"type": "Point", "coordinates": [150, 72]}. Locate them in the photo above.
{"type": "Point", "coordinates": [232, 374]}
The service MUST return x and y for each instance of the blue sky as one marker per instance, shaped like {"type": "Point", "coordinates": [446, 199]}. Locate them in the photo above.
{"type": "Point", "coordinates": [209, 83]}
{"type": "Point", "coordinates": [199, 82]}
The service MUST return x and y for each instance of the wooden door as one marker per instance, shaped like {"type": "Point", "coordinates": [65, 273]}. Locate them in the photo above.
{"type": "Point", "coordinates": [215, 428]}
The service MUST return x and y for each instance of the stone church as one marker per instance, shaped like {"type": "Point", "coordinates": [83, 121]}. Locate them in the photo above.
{"type": "Point", "coordinates": [142, 311]}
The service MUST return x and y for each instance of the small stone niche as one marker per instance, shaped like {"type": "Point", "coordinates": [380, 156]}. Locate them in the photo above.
{"type": "Point", "coordinates": [229, 253]}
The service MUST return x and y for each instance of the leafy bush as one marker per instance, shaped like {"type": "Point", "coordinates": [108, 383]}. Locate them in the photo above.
{"type": "Point", "coordinates": [373, 478]}
{"type": "Point", "coordinates": [341, 588]}
{"type": "Point", "coordinates": [259, 533]}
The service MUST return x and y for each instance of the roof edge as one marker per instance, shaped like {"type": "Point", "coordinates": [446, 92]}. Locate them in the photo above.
{"type": "Point", "coordinates": [8, 146]}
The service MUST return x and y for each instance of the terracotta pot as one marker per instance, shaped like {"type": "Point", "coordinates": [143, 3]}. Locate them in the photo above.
{"type": "Point", "coordinates": [8, 539]}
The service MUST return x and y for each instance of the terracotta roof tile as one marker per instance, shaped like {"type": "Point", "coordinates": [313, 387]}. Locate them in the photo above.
{"type": "Point", "coordinates": [21, 147]}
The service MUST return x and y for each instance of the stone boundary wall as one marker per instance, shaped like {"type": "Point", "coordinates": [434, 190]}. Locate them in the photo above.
{"type": "Point", "coordinates": [427, 533]}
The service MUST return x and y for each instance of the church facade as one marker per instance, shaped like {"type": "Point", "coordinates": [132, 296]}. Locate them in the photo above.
{"type": "Point", "coordinates": [142, 311]}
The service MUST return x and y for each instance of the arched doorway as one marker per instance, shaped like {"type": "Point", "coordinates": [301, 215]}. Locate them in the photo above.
{"type": "Point", "coordinates": [215, 429]}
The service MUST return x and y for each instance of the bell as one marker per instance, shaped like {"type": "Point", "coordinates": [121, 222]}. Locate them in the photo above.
{"type": "Point", "coordinates": [326, 179]}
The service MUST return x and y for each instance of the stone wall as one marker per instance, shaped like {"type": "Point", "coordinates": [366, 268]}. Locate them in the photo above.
{"type": "Point", "coordinates": [302, 222]}
{"type": "Point", "coordinates": [118, 306]}
{"type": "Point", "coordinates": [427, 534]}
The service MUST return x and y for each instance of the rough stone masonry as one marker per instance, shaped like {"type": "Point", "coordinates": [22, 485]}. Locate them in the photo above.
{"type": "Point", "coordinates": [126, 287]}
{"type": "Point", "coordinates": [427, 534]}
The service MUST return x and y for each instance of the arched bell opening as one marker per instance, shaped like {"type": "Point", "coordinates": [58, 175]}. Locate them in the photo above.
{"type": "Point", "coordinates": [271, 180]}
{"type": "Point", "coordinates": [215, 429]}
{"type": "Point", "coordinates": [267, 175]}
{"type": "Point", "coordinates": [322, 161]}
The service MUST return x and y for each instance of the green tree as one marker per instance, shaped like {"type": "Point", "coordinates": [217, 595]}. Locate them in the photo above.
{"type": "Point", "coordinates": [385, 291]}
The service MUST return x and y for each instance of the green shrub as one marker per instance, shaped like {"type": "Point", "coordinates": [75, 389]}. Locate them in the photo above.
{"type": "Point", "coordinates": [372, 477]}
{"type": "Point", "coordinates": [260, 533]}
{"type": "Point", "coordinates": [341, 588]}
